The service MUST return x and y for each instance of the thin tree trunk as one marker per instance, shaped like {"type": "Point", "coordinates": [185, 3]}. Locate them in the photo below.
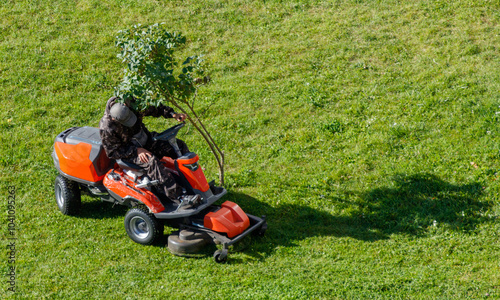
{"type": "Point", "coordinates": [206, 131]}
{"type": "Point", "coordinates": [205, 135]}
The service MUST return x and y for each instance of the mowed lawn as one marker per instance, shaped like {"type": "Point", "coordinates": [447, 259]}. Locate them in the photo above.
{"type": "Point", "coordinates": [366, 131]}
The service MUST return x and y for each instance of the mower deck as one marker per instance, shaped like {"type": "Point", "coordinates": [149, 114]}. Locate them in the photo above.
{"type": "Point", "coordinates": [191, 238]}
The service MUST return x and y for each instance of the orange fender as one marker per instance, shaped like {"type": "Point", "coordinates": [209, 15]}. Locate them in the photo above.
{"type": "Point", "coordinates": [125, 187]}
{"type": "Point", "coordinates": [74, 161]}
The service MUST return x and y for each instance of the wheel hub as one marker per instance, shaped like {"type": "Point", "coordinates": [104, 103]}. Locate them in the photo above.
{"type": "Point", "coordinates": [139, 227]}
{"type": "Point", "coordinates": [59, 198]}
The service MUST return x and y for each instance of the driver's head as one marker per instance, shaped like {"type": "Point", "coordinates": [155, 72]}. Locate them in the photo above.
{"type": "Point", "coordinates": [122, 114]}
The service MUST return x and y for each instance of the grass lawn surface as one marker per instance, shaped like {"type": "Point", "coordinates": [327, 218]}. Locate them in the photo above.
{"type": "Point", "coordinates": [366, 131]}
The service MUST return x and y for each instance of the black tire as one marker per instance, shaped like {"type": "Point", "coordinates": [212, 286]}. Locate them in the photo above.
{"type": "Point", "coordinates": [68, 197]}
{"type": "Point", "coordinates": [142, 227]}
{"type": "Point", "coordinates": [220, 256]}
{"type": "Point", "coordinates": [262, 230]}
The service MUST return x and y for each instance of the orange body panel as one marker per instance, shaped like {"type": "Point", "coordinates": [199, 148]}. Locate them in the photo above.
{"type": "Point", "coordinates": [168, 162]}
{"type": "Point", "coordinates": [196, 178]}
{"type": "Point", "coordinates": [126, 187]}
{"type": "Point", "coordinates": [74, 161]}
{"type": "Point", "coordinates": [229, 219]}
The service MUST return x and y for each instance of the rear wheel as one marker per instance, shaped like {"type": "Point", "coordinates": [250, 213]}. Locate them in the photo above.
{"type": "Point", "coordinates": [142, 227]}
{"type": "Point", "coordinates": [68, 197]}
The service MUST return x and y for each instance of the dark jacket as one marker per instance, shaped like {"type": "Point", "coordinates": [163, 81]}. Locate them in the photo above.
{"type": "Point", "coordinates": [117, 138]}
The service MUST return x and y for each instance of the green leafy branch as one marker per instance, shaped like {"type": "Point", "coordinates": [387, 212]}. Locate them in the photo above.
{"type": "Point", "coordinates": [154, 76]}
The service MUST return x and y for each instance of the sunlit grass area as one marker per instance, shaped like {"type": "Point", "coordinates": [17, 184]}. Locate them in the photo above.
{"type": "Point", "coordinates": [366, 132]}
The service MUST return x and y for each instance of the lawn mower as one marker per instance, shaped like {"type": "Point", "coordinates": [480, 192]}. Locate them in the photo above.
{"type": "Point", "coordinates": [84, 167]}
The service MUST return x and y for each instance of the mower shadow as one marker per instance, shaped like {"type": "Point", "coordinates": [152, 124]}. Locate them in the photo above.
{"type": "Point", "coordinates": [412, 205]}
{"type": "Point", "coordinates": [94, 208]}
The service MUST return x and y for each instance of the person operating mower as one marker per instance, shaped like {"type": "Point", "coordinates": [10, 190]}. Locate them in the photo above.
{"type": "Point", "coordinates": [125, 137]}
{"type": "Point", "coordinates": [117, 163]}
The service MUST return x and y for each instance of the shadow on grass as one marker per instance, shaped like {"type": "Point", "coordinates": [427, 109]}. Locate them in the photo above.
{"type": "Point", "coordinates": [419, 201]}
{"type": "Point", "coordinates": [412, 205]}
{"type": "Point", "coordinates": [94, 208]}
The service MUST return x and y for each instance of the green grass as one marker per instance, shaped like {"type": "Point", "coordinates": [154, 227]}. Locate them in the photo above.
{"type": "Point", "coordinates": [367, 132]}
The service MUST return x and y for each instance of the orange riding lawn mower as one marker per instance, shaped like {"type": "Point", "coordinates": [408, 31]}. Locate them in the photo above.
{"type": "Point", "coordinates": [84, 167]}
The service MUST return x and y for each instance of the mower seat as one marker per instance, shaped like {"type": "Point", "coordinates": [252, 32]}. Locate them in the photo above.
{"type": "Point", "coordinates": [128, 166]}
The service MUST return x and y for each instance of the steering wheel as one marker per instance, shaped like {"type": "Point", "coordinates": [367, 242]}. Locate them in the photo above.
{"type": "Point", "coordinates": [170, 136]}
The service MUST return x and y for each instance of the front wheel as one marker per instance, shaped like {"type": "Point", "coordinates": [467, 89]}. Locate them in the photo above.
{"type": "Point", "coordinates": [142, 227]}
{"type": "Point", "coordinates": [68, 195]}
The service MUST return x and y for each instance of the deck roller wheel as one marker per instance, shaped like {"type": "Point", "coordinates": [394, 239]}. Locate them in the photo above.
{"type": "Point", "coordinates": [220, 256]}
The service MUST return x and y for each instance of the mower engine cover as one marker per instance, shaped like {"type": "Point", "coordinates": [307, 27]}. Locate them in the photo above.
{"type": "Point", "coordinates": [229, 219]}
{"type": "Point", "coordinates": [78, 155]}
